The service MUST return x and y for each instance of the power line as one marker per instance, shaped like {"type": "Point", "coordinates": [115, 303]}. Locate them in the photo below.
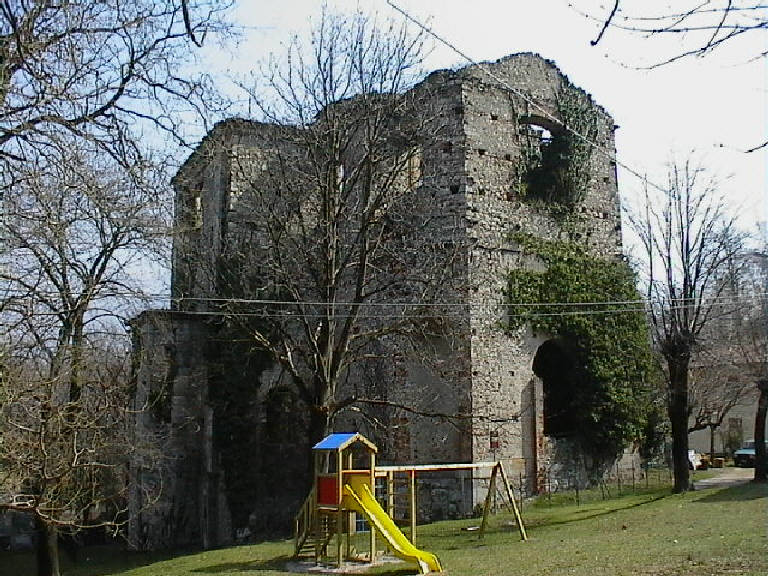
{"type": "Point", "coordinates": [293, 315]}
{"type": "Point", "coordinates": [672, 303]}
{"type": "Point", "coordinates": [638, 305]}
{"type": "Point", "coordinates": [21, 294]}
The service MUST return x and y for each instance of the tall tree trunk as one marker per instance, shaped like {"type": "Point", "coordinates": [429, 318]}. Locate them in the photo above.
{"type": "Point", "coordinates": [47, 549]}
{"type": "Point", "coordinates": [677, 408]}
{"type": "Point", "coordinates": [761, 459]}
{"type": "Point", "coordinates": [76, 359]}
{"type": "Point", "coordinates": [321, 398]}
{"type": "Point", "coordinates": [319, 428]}
{"type": "Point", "coordinates": [319, 424]}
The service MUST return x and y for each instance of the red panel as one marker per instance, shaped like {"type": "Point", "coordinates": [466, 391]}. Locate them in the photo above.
{"type": "Point", "coordinates": [326, 491]}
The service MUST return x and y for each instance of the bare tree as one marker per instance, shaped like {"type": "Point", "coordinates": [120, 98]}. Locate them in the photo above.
{"type": "Point", "coordinates": [690, 248]}
{"type": "Point", "coordinates": [721, 375]}
{"type": "Point", "coordinates": [344, 222]}
{"type": "Point", "coordinates": [698, 28]}
{"type": "Point", "coordinates": [758, 354]}
{"type": "Point", "coordinates": [77, 226]}
{"type": "Point", "coordinates": [752, 348]}
{"type": "Point", "coordinates": [82, 87]}
{"type": "Point", "coordinates": [761, 458]}
{"type": "Point", "coordinates": [706, 25]}
{"type": "Point", "coordinates": [63, 461]}
{"type": "Point", "coordinates": [718, 383]}
{"type": "Point", "coordinates": [99, 71]}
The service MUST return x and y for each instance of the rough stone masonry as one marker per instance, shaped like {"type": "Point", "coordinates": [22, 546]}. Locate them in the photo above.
{"type": "Point", "coordinates": [494, 118]}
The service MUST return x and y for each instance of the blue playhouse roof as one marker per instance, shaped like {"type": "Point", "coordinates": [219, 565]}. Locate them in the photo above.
{"type": "Point", "coordinates": [341, 441]}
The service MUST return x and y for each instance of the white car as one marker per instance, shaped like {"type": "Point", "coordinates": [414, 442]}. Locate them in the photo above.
{"type": "Point", "coordinates": [694, 460]}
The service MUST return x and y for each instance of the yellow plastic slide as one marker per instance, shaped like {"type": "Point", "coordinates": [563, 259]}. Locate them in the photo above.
{"type": "Point", "coordinates": [378, 518]}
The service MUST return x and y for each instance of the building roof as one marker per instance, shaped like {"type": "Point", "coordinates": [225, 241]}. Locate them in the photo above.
{"type": "Point", "coordinates": [342, 440]}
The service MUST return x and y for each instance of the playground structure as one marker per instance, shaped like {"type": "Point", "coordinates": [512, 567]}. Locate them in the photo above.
{"type": "Point", "coordinates": [341, 490]}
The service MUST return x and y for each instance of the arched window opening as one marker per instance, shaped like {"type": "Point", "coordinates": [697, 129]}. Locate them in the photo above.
{"type": "Point", "coordinates": [555, 162]}
{"type": "Point", "coordinates": [538, 132]}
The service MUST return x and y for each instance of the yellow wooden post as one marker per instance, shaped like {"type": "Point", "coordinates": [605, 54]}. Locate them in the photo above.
{"type": "Point", "coordinates": [412, 474]}
{"type": "Point", "coordinates": [511, 496]}
{"type": "Point", "coordinates": [488, 497]}
{"type": "Point", "coordinates": [390, 498]}
{"type": "Point", "coordinates": [373, 491]}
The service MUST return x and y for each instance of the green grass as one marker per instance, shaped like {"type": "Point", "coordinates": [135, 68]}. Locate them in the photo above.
{"type": "Point", "coordinates": [654, 533]}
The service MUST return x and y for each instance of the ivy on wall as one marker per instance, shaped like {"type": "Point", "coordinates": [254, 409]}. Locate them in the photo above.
{"type": "Point", "coordinates": [611, 400]}
{"type": "Point", "coordinates": [557, 170]}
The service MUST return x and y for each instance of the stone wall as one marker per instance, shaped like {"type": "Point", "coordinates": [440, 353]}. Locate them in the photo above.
{"type": "Point", "coordinates": [225, 455]}
{"type": "Point", "coordinates": [497, 98]}
{"type": "Point", "coordinates": [175, 495]}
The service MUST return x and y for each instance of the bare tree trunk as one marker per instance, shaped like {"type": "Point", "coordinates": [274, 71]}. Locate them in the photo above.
{"type": "Point", "coordinates": [76, 358]}
{"type": "Point", "coordinates": [319, 423]}
{"type": "Point", "coordinates": [319, 428]}
{"type": "Point", "coordinates": [692, 246]}
{"type": "Point", "coordinates": [761, 462]}
{"type": "Point", "coordinates": [712, 428]}
{"type": "Point", "coordinates": [47, 549]}
{"type": "Point", "coordinates": [678, 417]}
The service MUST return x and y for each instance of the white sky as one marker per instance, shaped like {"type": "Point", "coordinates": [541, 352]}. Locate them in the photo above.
{"type": "Point", "coordinates": [715, 106]}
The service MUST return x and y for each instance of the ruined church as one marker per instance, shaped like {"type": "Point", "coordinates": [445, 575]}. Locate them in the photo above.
{"type": "Point", "coordinates": [231, 426]}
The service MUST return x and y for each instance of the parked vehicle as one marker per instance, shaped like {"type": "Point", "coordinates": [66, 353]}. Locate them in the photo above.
{"type": "Point", "coordinates": [745, 456]}
{"type": "Point", "coordinates": [694, 461]}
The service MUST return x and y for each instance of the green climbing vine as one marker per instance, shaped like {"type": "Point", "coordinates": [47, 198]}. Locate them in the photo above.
{"type": "Point", "coordinates": [612, 400]}
{"type": "Point", "coordinates": [557, 171]}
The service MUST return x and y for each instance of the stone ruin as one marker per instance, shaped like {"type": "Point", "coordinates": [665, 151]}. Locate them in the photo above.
{"type": "Point", "coordinates": [232, 468]}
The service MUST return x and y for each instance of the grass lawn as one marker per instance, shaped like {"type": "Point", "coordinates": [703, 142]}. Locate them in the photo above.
{"type": "Point", "coordinates": [705, 533]}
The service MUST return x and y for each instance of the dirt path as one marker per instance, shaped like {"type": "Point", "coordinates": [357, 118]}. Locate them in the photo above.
{"type": "Point", "coordinates": [726, 477]}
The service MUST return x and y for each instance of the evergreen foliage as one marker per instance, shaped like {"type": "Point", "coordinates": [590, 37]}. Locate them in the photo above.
{"type": "Point", "coordinates": [613, 402]}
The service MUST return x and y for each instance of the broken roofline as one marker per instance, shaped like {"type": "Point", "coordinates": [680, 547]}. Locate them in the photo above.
{"type": "Point", "coordinates": [230, 128]}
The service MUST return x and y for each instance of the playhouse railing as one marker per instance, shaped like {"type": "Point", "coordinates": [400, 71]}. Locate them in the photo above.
{"type": "Point", "coordinates": [304, 522]}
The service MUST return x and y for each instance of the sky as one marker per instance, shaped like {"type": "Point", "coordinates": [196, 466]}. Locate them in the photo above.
{"type": "Point", "coordinates": [709, 108]}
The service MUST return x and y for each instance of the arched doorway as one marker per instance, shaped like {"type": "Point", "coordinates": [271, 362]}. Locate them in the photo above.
{"type": "Point", "coordinates": [557, 365]}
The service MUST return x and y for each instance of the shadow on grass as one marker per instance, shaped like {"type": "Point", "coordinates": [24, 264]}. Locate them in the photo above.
{"type": "Point", "coordinates": [579, 515]}
{"type": "Point", "coordinates": [403, 571]}
{"type": "Point", "coordinates": [275, 564]}
{"type": "Point", "coordinates": [741, 492]}
{"type": "Point", "coordinates": [94, 561]}
{"type": "Point", "coordinates": [454, 541]}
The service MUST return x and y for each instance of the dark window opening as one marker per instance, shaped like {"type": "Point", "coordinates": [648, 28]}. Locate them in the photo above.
{"type": "Point", "coordinates": [557, 365]}
{"type": "Point", "coordinates": [551, 168]}
{"type": "Point", "coordinates": [192, 209]}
